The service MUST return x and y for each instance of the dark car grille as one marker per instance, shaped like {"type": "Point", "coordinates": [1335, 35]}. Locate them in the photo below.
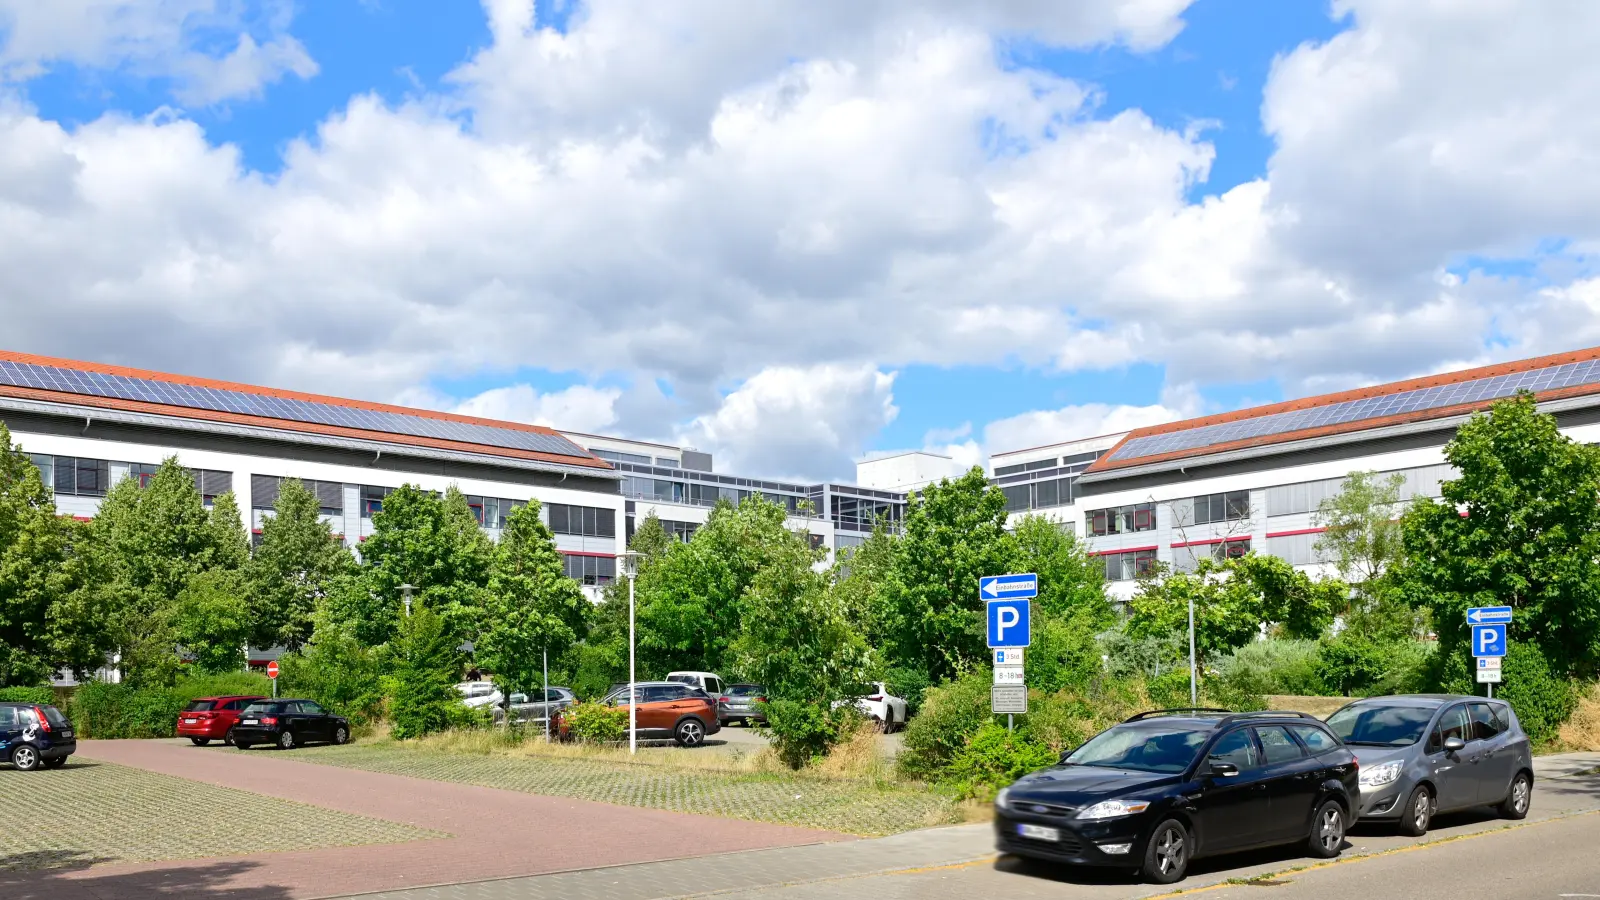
{"type": "Point", "coordinates": [1043, 809]}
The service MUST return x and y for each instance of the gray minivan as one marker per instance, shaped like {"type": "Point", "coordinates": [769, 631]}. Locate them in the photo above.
{"type": "Point", "coordinates": [1426, 754]}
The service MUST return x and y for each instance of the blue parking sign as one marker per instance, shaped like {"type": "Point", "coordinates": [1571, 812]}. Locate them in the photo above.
{"type": "Point", "coordinates": [1488, 640]}
{"type": "Point", "coordinates": [1008, 623]}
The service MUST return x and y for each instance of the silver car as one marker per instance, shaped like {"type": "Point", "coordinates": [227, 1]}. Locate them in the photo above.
{"type": "Point", "coordinates": [537, 705]}
{"type": "Point", "coordinates": [1421, 755]}
{"type": "Point", "coordinates": [742, 703]}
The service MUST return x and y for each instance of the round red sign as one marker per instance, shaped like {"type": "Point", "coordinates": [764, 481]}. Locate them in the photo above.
{"type": "Point", "coordinates": [272, 670]}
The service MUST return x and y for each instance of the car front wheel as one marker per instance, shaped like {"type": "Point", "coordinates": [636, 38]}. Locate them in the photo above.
{"type": "Point", "coordinates": [690, 733]}
{"type": "Point", "coordinates": [1327, 831]}
{"type": "Point", "coordinates": [341, 735]}
{"type": "Point", "coordinates": [1418, 813]}
{"type": "Point", "coordinates": [1166, 857]}
{"type": "Point", "coordinates": [200, 742]}
{"type": "Point", "coordinates": [1518, 799]}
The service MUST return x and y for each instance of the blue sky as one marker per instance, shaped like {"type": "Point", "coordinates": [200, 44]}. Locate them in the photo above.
{"type": "Point", "coordinates": [1428, 266]}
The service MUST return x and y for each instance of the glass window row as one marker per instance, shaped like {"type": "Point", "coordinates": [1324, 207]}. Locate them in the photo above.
{"type": "Point", "coordinates": [1120, 519]}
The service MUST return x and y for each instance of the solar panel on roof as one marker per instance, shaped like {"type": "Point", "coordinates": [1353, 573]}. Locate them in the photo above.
{"type": "Point", "coordinates": [1493, 387]}
{"type": "Point", "coordinates": [148, 390]}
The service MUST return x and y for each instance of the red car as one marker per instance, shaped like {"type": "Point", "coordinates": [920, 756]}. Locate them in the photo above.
{"type": "Point", "coordinates": [210, 719]}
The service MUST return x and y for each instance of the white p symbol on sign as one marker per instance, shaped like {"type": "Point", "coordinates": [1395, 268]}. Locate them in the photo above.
{"type": "Point", "coordinates": [1008, 617]}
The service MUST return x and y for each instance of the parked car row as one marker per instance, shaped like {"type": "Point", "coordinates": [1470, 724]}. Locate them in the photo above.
{"type": "Point", "coordinates": [1166, 787]}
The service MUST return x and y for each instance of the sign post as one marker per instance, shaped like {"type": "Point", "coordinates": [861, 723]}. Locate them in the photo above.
{"type": "Point", "coordinates": [1486, 629]}
{"type": "Point", "coordinates": [1009, 616]}
{"type": "Point", "coordinates": [272, 672]}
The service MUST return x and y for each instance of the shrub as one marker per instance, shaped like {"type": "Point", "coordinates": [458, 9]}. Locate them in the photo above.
{"type": "Point", "coordinates": [950, 713]}
{"type": "Point", "coordinates": [1063, 720]}
{"type": "Point", "coordinates": [995, 757]}
{"type": "Point", "coordinates": [108, 711]}
{"type": "Point", "coordinates": [338, 673]}
{"type": "Point", "coordinates": [802, 733]}
{"type": "Point", "coordinates": [1145, 657]}
{"type": "Point", "coordinates": [423, 698]}
{"type": "Point", "coordinates": [910, 685]}
{"type": "Point", "coordinates": [1352, 665]}
{"type": "Point", "coordinates": [1542, 700]}
{"type": "Point", "coordinates": [595, 723]}
{"type": "Point", "coordinates": [1273, 667]}
{"type": "Point", "coordinates": [40, 696]}
{"type": "Point", "coordinates": [1169, 690]}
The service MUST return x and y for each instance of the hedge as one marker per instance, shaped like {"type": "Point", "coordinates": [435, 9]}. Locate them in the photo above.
{"type": "Point", "coordinates": [108, 711]}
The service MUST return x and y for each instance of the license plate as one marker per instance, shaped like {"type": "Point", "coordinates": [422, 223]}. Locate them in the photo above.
{"type": "Point", "coordinates": [249, 722]}
{"type": "Point", "coordinates": [1039, 832]}
{"type": "Point", "coordinates": [66, 735]}
{"type": "Point", "coordinates": [190, 721]}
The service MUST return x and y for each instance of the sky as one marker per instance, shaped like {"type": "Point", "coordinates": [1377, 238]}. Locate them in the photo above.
{"type": "Point", "coordinates": [797, 233]}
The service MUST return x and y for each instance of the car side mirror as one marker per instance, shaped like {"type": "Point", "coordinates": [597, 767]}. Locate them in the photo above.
{"type": "Point", "coordinates": [1454, 745]}
{"type": "Point", "coordinates": [1224, 770]}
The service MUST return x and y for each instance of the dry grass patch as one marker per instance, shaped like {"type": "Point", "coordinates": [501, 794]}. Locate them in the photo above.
{"type": "Point", "coordinates": [1582, 731]}
{"type": "Point", "coordinates": [1321, 707]}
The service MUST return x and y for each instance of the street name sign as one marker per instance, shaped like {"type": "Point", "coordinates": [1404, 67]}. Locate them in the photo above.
{"type": "Point", "coordinates": [1489, 615]}
{"type": "Point", "coordinates": [1008, 587]}
{"type": "Point", "coordinates": [1009, 698]}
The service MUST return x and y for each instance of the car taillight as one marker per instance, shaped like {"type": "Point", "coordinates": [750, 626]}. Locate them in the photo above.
{"type": "Point", "coordinates": [761, 699]}
{"type": "Point", "coordinates": [875, 698]}
{"type": "Point", "coordinates": [723, 700]}
{"type": "Point", "coordinates": [44, 724]}
{"type": "Point", "coordinates": [269, 720]}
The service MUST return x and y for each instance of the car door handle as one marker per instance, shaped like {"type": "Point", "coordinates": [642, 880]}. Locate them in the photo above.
{"type": "Point", "coordinates": [1261, 787]}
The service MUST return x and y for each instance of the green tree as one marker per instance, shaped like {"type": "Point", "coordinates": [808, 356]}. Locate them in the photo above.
{"type": "Point", "coordinates": [531, 605]}
{"type": "Point", "coordinates": [211, 620]}
{"type": "Point", "coordinates": [689, 601]}
{"type": "Point", "coordinates": [601, 659]}
{"type": "Point", "coordinates": [1361, 527]}
{"type": "Point", "coordinates": [293, 569]}
{"type": "Point", "coordinates": [151, 541]}
{"type": "Point", "coordinates": [429, 542]}
{"type": "Point", "coordinates": [954, 534]}
{"type": "Point", "coordinates": [52, 614]}
{"type": "Point", "coordinates": [1519, 527]}
{"type": "Point", "coordinates": [426, 667]}
{"type": "Point", "coordinates": [1233, 601]}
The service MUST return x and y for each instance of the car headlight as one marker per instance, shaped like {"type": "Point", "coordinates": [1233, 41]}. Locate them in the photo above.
{"type": "Point", "coordinates": [1381, 774]}
{"type": "Point", "coordinates": [1113, 809]}
{"type": "Point", "coordinates": [1002, 800]}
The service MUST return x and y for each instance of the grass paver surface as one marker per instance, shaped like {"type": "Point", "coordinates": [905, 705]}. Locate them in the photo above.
{"type": "Point", "coordinates": [854, 807]}
{"type": "Point", "coordinates": [95, 812]}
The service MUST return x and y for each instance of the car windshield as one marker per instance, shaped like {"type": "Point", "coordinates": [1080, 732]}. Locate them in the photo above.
{"type": "Point", "coordinates": [744, 690]}
{"type": "Point", "coordinates": [199, 705]}
{"type": "Point", "coordinates": [1141, 748]}
{"type": "Point", "coordinates": [1377, 725]}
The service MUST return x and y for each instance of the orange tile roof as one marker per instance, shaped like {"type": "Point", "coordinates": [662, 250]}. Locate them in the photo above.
{"type": "Point", "coordinates": [579, 458]}
{"type": "Point", "coordinates": [1112, 460]}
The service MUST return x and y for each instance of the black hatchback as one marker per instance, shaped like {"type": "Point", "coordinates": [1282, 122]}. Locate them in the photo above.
{"type": "Point", "coordinates": [1165, 787]}
{"type": "Point", "coordinates": [287, 724]}
{"type": "Point", "coordinates": [34, 735]}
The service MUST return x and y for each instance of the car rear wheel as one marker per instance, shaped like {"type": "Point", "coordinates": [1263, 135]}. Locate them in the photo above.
{"type": "Point", "coordinates": [200, 742]}
{"type": "Point", "coordinates": [689, 733]}
{"type": "Point", "coordinates": [341, 735]}
{"type": "Point", "coordinates": [25, 758]}
{"type": "Point", "coordinates": [56, 763]}
{"type": "Point", "coordinates": [1327, 831]}
{"type": "Point", "coordinates": [286, 740]}
{"type": "Point", "coordinates": [228, 738]}
{"type": "Point", "coordinates": [243, 745]}
{"type": "Point", "coordinates": [1518, 799]}
{"type": "Point", "coordinates": [1166, 857]}
{"type": "Point", "coordinates": [1418, 813]}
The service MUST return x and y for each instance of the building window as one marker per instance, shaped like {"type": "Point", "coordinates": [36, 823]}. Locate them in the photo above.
{"type": "Point", "coordinates": [1120, 519]}
{"type": "Point", "coordinates": [210, 483]}
{"type": "Point", "coordinates": [586, 521]}
{"type": "Point", "coordinates": [1130, 565]}
{"type": "Point", "coordinates": [683, 531]}
{"type": "Point", "coordinates": [590, 570]}
{"type": "Point", "coordinates": [264, 490]}
{"type": "Point", "coordinates": [71, 476]}
{"type": "Point", "coordinates": [1187, 559]}
{"type": "Point", "coordinates": [372, 500]}
{"type": "Point", "coordinates": [1231, 506]}
{"type": "Point", "coordinates": [144, 472]}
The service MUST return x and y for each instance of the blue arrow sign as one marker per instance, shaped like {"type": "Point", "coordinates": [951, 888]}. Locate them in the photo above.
{"type": "Point", "coordinates": [1009, 624]}
{"type": "Point", "coordinates": [1008, 587]}
{"type": "Point", "coordinates": [1486, 615]}
{"type": "Point", "coordinates": [1488, 640]}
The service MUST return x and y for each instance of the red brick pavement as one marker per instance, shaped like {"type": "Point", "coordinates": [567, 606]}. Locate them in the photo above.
{"type": "Point", "coordinates": [496, 833]}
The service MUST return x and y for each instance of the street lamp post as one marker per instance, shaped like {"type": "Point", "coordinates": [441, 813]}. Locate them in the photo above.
{"type": "Point", "coordinates": [405, 595]}
{"type": "Point", "coordinates": [630, 570]}
{"type": "Point", "coordinates": [1194, 687]}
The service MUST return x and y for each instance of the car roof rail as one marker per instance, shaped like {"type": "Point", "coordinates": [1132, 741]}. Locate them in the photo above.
{"type": "Point", "coordinates": [1271, 714]}
{"type": "Point", "coordinates": [1176, 711]}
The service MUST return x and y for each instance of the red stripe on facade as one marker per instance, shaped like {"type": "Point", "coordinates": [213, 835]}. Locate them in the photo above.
{"type": "Point", "coordinates": [1273, 534]}
{"type": "Point", "coordinates": [1209, 541]}
{"type": "Point", "coordinates": [1125, 550]}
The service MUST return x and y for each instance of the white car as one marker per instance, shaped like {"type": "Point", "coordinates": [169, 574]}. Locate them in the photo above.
{"type": "Point", "coordinates": [476, 694]}
{"type": "Point", "coordinates": [710, 682]}
{"type": "Point", "coordinates": [882, 707]}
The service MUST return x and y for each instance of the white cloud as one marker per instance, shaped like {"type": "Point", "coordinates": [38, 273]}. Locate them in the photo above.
{"type": "Point", "coordinates": [577, 408]}
{"type": "Point", "coordinates": [176, 39]}
{"type": "Point", "coordinates": [797, 423]}
{"type": "Point", "coordinates": [1034, 429]}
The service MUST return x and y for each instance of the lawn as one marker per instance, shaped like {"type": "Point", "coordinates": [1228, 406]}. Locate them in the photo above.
{"type": "Point", "coordinates": [860, 806]}
{"type": "Point", "coordinates": [93, 812]}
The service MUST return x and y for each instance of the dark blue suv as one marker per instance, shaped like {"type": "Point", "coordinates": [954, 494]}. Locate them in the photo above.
{"type": "Point", "coordinates": [35, 735]}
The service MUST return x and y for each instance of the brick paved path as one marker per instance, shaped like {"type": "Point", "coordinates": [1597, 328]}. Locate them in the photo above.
{"type": "Point", "coordinates": [497, 834]}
